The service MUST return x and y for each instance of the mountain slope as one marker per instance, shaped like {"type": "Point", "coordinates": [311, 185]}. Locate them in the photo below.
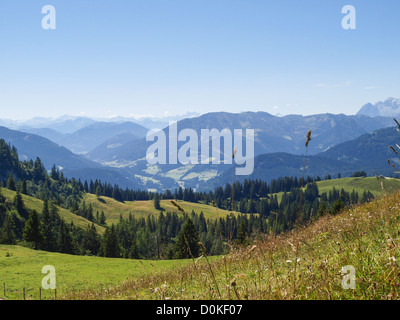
{"type": "Point", "coordinates": [274, 165]}
{"type": "Point", "coordinates": [105, 150]}
{"type": "Point", "coordinates": [37, 204]}
{"type": "Point", "coordinates": [91, 136]}
{"type": "Point", "coordinates": [30, 146]}
{"type": "Point", "coordinates": [368, 153]}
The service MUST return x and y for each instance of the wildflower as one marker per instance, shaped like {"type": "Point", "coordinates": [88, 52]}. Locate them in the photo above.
{"type": "Point", "coordinates": [288, 261]}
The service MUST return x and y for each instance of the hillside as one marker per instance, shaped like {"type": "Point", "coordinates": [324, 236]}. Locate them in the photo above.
{"type": "Point", "coordinates": [31, 146]}
{"type": "Point", "coordinates": [376, 186]}
{"type": "Point", "coordinates": [273, 165]}
{"type": "Point", "coordinates": [37, 204]}
{"type": "Point", "coordinates": [302, 264]}
{"type": "Point", "coordinates": [113, 209]}
{"type": "Point", "coordinates": [91, 136]}
{"type": "Point", "coordinates": [368, 152]}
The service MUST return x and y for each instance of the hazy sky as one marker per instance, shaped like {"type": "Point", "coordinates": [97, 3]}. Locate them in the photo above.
{"type": "Point", "coordinates": [127, 57]}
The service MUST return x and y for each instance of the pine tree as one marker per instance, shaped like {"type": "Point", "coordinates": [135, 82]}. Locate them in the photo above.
{"type": "Point", "coordinates": [156, 201]}
{"type": "Point", "coordinates": [64, 239]}
{"type": "Point", "coordinates": [11, 183]}
{"type": "Point", "coordinates": [134, 250]}
{"type": "Point", "coordinates": [91, 241]}
{"type": "Point", "coordinates": [33, 230]}
{"type": "Point", "coordinates": [242, 234]}
{"type": "Point", "coordinates": [7, 235]}
{"type": "Point", "coordinates": [187, 244]}
{"type": "Point", "coordinates": [24, 189]}
{"type": "Point", "coordinates": [110, 246]}
{"type": "Point", "coordinates": [38, 171]}
{"type": "Point", "coordinates": [49, 236]}
{"type": "Point", "coordinates": [102, 221]}
{"type": "Point", "coordinates": [54, 174]}
{"type": "Point", "coordinates": [19, 205]}
{"type": "Point", "coordinates": [98, 191]}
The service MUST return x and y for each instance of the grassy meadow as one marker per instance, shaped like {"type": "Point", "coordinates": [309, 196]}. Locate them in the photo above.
{"type": "Point", "coordinates": [377, 187]}
{"type": "Point", "coordinates": [21, 268]}
{"type": "Point", "coordinates": [113, 209]}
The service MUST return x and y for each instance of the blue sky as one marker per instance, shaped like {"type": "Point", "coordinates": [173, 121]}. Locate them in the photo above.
{"type": "Point", "coordinates": [156, 57]}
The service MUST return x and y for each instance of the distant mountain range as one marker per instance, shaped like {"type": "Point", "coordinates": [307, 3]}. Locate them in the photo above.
{"type": "Point", "coordinates": [93, 135]}
{"type": "Point", "coordinates": [65, 124]}
{"type": "Point", "coordinates": [272, 135]}
{"type": "Point", "coordinates": [115, 151]}
{"type": "Point", "coordinates": [388, 108]}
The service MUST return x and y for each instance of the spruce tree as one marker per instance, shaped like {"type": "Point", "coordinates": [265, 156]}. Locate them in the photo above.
{"type": "Point", "coordinates": [19, 205]}
{"type": "Point", "coordinates": [156, 201]}
{"type": "Point", "coordinates": [187, 244]}
{"type": "Point", "coordinates": [11, 183]}
{"type": "Point", "coordinates": [134, 250]}
{"type": "Point", "coordinates": [91, 241]}
{"type": "Point", "coordinates": [102, 221]}
{"type": "Point", "coordinates": [98, 191]}
{"type": "Point", "coordinates": [64, 239]}
{"type": "Point", "coordinates": [33, 230]}
{"type": "Point", "coordinates": [49, 236]}
{"type": "Point", "coordinates": [242, 234]}
{"type": "Point", "coordinates": [24, 189]}
{"type": "Point", "coordinates": [110, 247]}
{"type": "Point", "coordinates": [7, 235]}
